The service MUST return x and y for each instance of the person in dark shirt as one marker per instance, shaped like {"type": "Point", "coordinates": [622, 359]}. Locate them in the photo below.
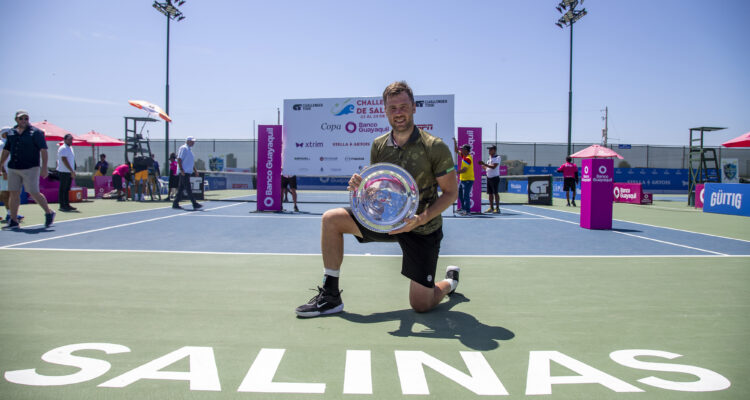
{"type": "Point", "coordinates": [25, 146]}
{"type": "Point", "coordinates": [102, 166]}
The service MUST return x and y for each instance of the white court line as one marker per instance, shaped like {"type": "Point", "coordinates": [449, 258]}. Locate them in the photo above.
{"type": "Point", "coordinates": [635, 236]}
{"type": "Point", "coordinates": [319, 216]}
{"type": "Point", "coordinates": [383, 255]}
{"type": "Point", "coordinates": [657, 226]}
{"type": "Point", "coordinates": [108, 228]}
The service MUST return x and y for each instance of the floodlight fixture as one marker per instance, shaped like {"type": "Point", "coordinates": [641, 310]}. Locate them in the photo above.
{"type": "Point", "coordinates": [172, 13]}
{"type": "Point", "coordinates": [568, 19]}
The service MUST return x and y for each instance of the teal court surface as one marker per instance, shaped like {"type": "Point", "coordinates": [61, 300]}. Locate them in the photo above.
{"type": "Point", "coordinates": [136, 300]}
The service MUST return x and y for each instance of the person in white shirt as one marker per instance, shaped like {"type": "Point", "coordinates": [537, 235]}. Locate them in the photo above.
{"type": "Point", "coordinates": [185, 163]}
{"type": "Point", "coordinates": [66, 170]}
{"type": "Point", "coordinates": [492, 168]}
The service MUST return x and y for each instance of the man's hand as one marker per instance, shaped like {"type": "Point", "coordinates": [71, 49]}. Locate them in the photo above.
{"type": "Point", "coordinates": [354, 182]}
{"type": "Point", "coordinates": [72, 174]}
{"type": "Point", "coordinates": [411, 223]}
{"type": "Point", "coordinates": [43, 172]}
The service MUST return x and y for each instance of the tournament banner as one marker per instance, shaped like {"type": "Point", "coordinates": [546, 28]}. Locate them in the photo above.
{"type": "Point", "coordinates": [269, 168]}
{"type": "Point", "coordinates": [726, 198]}
{"type": "Point", "coordinates": [473, 137]}
{"type": "Point", "coordinates": [332, 136]}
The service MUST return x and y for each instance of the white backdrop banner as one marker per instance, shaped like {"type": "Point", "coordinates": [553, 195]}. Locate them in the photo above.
{"type": "Point", "coordinates": [332, 137]}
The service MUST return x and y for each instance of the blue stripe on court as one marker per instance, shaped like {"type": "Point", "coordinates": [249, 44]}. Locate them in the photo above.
{"type": "Point", "coordinates": [228, 227]}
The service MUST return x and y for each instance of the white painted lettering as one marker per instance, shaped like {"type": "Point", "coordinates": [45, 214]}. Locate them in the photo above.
{"type": "Point", "coordinates": [481, 379]}
{"type": "Point", "coordinates": [539, 381]}
{"type": "Point", "coordinates": [708, 381]}
{"type": "Point", "coordinates": [90, 367]}
{"type": "Point", "coordinates": [203, 374]}
{"type": "Point", "coordinates": [260, 376]}
{"type": "Point", "coordinates": [358, 372]}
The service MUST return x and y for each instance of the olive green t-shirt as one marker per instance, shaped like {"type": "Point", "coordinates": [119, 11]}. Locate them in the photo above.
{"type": "Point", "coordinates": [426, 157]}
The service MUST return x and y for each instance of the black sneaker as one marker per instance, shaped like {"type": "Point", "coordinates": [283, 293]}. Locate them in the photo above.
{"type": "Point", "coordinates": [177, 207]}
{"type": "Point", "coordinates": [49, 219]}
{"type": "Point", "coordinates": [321, 304]}
{"type": "Point", "coordinates": [197, 206]}
{"type": "Point", "coordinates": [12, 225]}
{"type": "Point", "coordinates": [452, 273]}
{"type": "Point", "coordinates": [296, 209]}
{"type": "Point", "coordinates": [574, 203]}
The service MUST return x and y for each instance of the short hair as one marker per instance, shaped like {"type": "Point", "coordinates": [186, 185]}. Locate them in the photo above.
{"type": "Point", "coordinates": [568, 159]}
{"type": "Point", "coordinates": [102, 155]}
{"type": "Point", "coordinates": [397, 88]}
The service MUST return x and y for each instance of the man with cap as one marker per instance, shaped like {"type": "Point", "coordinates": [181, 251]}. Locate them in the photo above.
{"type": "Point", "coordinates": [492, 168]}
{"type": "Point", "coordinates": [466, 177]}
{"type": "Point", "coordinates": [66, 170]}
{"type": "Point", "coordinates": [25, 146]}
{"type": "Point", "coordinates": [185, 168]}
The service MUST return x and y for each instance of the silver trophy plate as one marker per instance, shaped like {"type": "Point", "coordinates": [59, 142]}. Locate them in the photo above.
{"type": "Point", "coordinates": [387, 196]}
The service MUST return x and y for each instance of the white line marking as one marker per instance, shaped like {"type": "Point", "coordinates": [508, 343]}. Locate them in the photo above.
{"type": "Point", "coordinates": [107, 228]}
{"type": "Point", "coordinates": [653, 226]}
{"type": "Point", "coordinates": [636, 236]}
{"type": "Point", "coordinates": [384, 255]}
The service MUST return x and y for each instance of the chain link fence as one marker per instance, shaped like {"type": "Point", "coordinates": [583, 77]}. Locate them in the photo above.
{"type": "Point", "coordinates": [241, 154]}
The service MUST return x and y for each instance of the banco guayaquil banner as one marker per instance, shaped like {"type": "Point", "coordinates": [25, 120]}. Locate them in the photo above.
{"type": "Point", "coordinates": [332, 137]}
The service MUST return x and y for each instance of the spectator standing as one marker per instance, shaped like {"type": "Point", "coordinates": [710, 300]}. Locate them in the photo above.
{"type": "Point", "coordinates": [185, 163]}
{"type": "Point", "coordinates": [66, 170]}
{"type": "Point", "coordinates": [466, 177]}
{"type": "Point", "coordinates": [289, 184]}
{"type": "Point", "coordinates": [570, 177]}
{"type": "Point", "coordinates": [25, 146]}
{"type": "Point", "coordinates": [155, 164]}
{"type": "Point", "coordinates": [102, 166]}
{"type": "Point", "coordinates": [492, 168]}
{"type": "Point", "coordinates": [174, 178]}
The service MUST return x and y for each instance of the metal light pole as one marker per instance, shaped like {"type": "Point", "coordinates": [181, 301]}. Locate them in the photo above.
{"type": "Point", "coordinates": [568, 19]}
{"type": "Point", "coordinates": [171, 12]}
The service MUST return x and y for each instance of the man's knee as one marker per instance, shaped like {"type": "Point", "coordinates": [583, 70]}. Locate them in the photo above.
{"type": "Point", "coordinates": [421, 298]}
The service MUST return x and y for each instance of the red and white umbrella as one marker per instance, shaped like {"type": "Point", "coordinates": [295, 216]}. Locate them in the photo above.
{"type": "Point", "coordinates": [94, 138]}
{"type": "Point", "coordinates": [596, 151]}
{"type": "Point", "coordinates": [51, 131]}
{"type": "Point", "coordinates": [151, 108]}
{"type": "Point", "coordinates": [739, 141]}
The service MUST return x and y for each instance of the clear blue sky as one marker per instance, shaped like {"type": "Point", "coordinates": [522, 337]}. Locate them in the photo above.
{"type": "Point", "coordinates": [661, 67]}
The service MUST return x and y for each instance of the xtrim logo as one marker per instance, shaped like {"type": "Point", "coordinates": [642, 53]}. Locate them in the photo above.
{"type": "Point", "coordinates": [309, 144]}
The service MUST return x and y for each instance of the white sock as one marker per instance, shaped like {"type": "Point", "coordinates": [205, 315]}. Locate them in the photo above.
{"type": "Point", "coordinates": [453, 283]}
{"type": "Point", "coordinates": [331, 272]}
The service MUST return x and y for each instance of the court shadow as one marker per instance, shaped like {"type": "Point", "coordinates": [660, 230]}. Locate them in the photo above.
{"type": "Point", "coordinates": [30, 231]}
{"type": "Point", "coordinates": [626, 230]}
{"type": "Point", "coordinates": [440, 323]}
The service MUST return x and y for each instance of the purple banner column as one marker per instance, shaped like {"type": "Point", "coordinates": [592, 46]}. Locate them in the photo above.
{"type": "Point", "coordinates": [269, 168]}
{"type": "Point", "coordinates": [597, 182]}
{"type": "Point", "coordinates": [473, 137]}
